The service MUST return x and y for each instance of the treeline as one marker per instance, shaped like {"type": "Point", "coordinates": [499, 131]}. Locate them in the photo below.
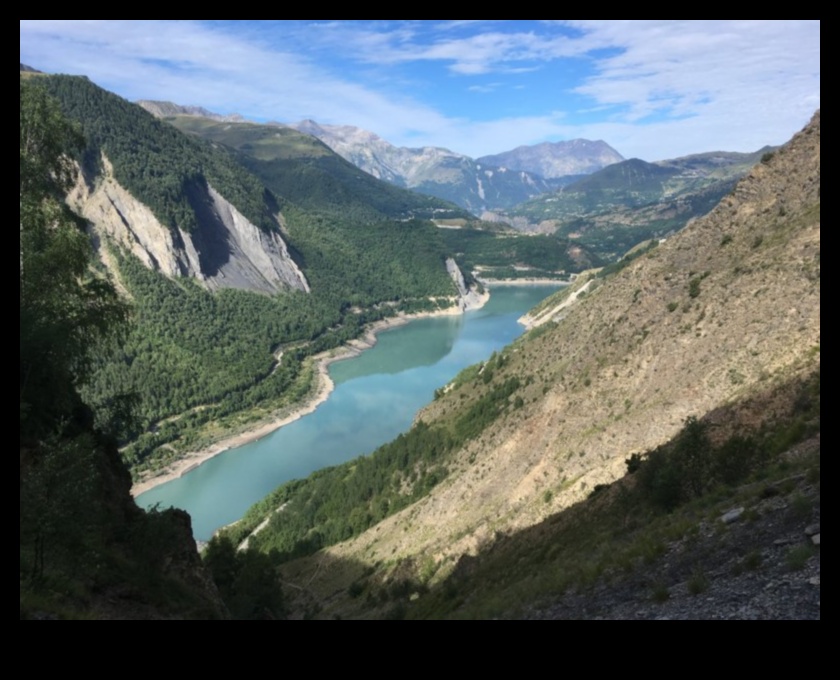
{"type": "Point", "coordinates": [163, 168]}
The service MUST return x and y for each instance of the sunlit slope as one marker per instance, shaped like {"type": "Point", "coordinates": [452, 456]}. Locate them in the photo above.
{"type": "Point", "coordinates": [727, 307]}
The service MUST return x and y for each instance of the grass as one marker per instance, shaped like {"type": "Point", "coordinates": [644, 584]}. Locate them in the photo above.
{"type": "Point", "coordinates": [659, 592]}
{"type": "Point", "coordinates": [752, 561]}
{"type": "Point", "coordinates": [801, 506]}
{"type": "Point", "coordinates": [798, 557]}
{"type": "Point", "coordinates": [698, 582]}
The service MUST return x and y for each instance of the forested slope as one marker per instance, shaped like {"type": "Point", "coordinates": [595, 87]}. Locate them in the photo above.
{"type": "Point", "coordinates": [196, 359]}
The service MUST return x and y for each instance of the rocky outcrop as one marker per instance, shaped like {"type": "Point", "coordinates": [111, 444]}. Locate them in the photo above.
{"type": "Point", "coordinates": [468, 298]}
{"type": "Point", "coordinates": [227, 251]}
{"type": "Point", "coordinates": [249, 257]}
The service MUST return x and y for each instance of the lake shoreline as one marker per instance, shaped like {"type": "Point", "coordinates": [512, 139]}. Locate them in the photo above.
{"type": "Point", "coordinates": [523, 282]}
{"type": "Point", "coordinates": [324, 386]}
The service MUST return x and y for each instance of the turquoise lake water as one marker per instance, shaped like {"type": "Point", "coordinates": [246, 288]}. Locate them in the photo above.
{"type": "Point", "coordinates": [376, 397]}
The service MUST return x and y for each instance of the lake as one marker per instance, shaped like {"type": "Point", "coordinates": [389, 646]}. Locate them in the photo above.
{"type": "Point", "coordinates": [377, 395]}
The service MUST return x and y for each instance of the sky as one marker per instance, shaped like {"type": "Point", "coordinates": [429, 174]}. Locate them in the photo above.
{"type": "Point", "coordinates": [651, 89]}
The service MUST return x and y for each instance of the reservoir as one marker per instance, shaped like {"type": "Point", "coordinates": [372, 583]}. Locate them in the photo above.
{"type": "Point", "coordinates": [377, 395]}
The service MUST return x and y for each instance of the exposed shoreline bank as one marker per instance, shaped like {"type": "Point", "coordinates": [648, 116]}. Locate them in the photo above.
{"type": "Point", "coordinates": [321, 391]}
{"type": "Point", "coordinates": [523, 282]}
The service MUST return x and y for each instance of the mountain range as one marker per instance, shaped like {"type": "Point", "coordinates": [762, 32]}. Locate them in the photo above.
{"type": "Point", "coordinates": [476, 185]}
{"type": "Point", "coordinates": [650, 400]}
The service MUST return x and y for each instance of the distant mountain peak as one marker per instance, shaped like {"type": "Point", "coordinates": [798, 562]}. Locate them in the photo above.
{"type": "Point", "coordinates": [557, 159]}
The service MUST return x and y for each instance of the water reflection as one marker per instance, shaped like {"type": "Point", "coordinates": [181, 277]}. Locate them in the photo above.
{"type": "Point", "coordinates": [432, 339]}
{"type": "Point", "coordinates": [376, 398]}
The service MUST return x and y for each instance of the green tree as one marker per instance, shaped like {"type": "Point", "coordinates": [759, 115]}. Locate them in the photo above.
{"type": "Point", "coordinates": [63, 308]}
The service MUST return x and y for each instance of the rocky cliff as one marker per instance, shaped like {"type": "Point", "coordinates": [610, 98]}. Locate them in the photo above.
{"type": "Point", "coordinates": [227, 251]}
{"type": "Point", "coordinates": [468, 298]}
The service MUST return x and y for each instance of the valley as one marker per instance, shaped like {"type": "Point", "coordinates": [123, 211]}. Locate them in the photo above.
{"type": "Point", "coordinates": [688, 329]}
{"type": "Point", "coordinates": [384, 381]}
{"type": "Point", "coordinates": [370, 399]}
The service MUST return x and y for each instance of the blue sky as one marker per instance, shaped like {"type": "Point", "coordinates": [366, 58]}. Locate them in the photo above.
{"type": "Point", "coordinates": [651, 89]}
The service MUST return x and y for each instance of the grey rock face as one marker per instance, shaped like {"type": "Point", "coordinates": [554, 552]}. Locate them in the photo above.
{"type": "Point", "coordinates": [227, 251]}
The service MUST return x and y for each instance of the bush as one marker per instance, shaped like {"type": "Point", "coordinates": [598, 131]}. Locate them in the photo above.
{"type": "Point", "coordinates": [735, 459]}
{"type": "Point", "coordinates": [694, 287]}
{"type": "Point", "coordinates": [798, 557]}
{"type": "Point", "coordinates": [633, 463]}
{"type": "Point", "coordinates": [677, 472]}
{"type": "Point", "coordinates": [698, 583]}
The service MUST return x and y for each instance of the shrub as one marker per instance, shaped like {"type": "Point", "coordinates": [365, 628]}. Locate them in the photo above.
{"type": "Point", "coordinates": [694, 287]}
{"type": "Point", "coordinates": [633, 463]}
{"type": "Point", "coordinates": [659, 593]}
{"type": "Point", "coordinates": [698, 583]}
{"type": "Point", "coordinates": [674, 473]}
{"type": "Point", "coordinates": [797, 557]}
{"type": "Point", "coordinates": [735, 459]}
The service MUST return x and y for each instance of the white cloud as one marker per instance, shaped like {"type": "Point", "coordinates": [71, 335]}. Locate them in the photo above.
{"type": "Point", "coordinates": [657, 88]}
{"type": "Point", "coordinates": [188, 62]}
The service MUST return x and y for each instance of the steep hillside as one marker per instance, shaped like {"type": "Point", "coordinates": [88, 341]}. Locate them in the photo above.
{"type": "Point", "coordinates": [86, 550]}
{"type": "Point", "coordinates": [182, 207]}
{"type": "Point", "coordinates": [557, 159]}
{"type": "Point", "coordinates": [722, 313]}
